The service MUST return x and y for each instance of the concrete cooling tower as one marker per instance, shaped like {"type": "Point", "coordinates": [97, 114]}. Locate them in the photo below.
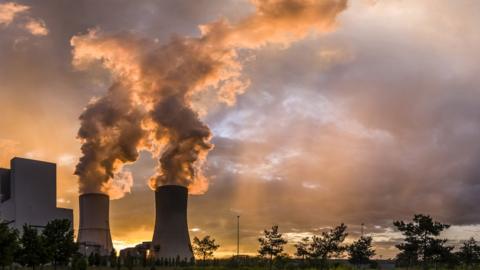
{"type": "Point", "coordinates": [94, 230]}
{"type": "Point", "coordinates": [170, 237]}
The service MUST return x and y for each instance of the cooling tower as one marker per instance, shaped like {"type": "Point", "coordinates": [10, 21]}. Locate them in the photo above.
{"type": "Point", "coordinates": [94, 229]}
{"type": "Point", "coordinates": [170, 237]}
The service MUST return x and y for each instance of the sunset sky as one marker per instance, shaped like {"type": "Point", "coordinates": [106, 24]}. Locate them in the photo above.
{"type": "Point", "coordinates": [370, 118]}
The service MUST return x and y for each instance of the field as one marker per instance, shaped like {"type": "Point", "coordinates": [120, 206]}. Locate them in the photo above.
{"type": "Point", "coordinates": [341, 267]}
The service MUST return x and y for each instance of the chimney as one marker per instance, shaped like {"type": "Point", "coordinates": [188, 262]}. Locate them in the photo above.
{"type": "Point", "coordinates": [94, 230]}
{"type": "Point", "coordinates": [170, 237]}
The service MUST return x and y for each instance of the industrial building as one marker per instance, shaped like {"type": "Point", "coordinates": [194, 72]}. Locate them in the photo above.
{"type": "Point", "coordinates": [170, 237]}
{"type": "Point", "coordinates": [138, 252]}
{"type": "Point", "coordinates": [94, 229]}
{"type": "Point", "coordinates": [28, 194]}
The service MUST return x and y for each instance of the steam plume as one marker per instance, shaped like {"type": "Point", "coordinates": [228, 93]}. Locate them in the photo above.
{"type": "Point", "coordinates": [150, 106]}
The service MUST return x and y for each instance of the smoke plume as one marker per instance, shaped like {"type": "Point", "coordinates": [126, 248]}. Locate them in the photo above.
{"type": "Point", "coordinates": [151, 104]}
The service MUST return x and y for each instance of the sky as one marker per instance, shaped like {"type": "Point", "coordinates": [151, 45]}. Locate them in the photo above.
{"type": "Point", "coordinates": [369, 121]}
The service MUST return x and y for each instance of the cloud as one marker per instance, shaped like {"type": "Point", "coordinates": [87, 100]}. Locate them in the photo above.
{"type": "Point", "coordinates": [63, 201]}
{"type": "Point", "coordinates": [66, 160]}
{"type": "Point", "coordinates": [159, 84]}
{"type": "Point", "coordinates": [35, 154]}
{"type": "Point", "coordinates": [119, 185]}
{"type": "Point", "coordinates": [36, 27]}
{"type": "Point", "coordinates": [9, 10]}
{"type": "Point", "coordinates": [388, 133]}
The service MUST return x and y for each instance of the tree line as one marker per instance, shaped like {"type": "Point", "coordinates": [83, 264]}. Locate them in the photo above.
{"type": "Point", "coordinates": [421, 246]}
{"type": "Point", "coordinates": [54, 245]}
{"type": "Point", "coordinates": [317, 250]}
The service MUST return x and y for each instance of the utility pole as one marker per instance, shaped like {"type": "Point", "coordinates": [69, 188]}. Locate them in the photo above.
{"type": "Point", "coordinates": [362, 228]}
{"type": "Point", "coordinates": [238, 236]}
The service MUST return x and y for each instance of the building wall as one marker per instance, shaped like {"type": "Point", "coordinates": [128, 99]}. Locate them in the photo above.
{"type": "Point", "coordinates": [171, 237]}
{"type": "Point", "coordinates": [94, 229]}
{"type": "Point", "coordinates": [5, 190]}
{"type": "Point", "coordinates": [34, 192]}
{"type": "Point", "coordinates": [7, 205]}
{"type": "Point", "coordinates": [64, 213]}
{"type": "Point", "coordinates": [33, 198]}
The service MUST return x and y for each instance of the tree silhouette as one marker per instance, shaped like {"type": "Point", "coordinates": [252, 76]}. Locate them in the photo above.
{"type": "Point", "coordinates": [204, 247]}
{"type": "Point", "coordinates": [8, 244]}
{"type": "Point", "coordinates": [328, 244]}
{"type": "Point", "coordinates": [32, 248]}
{"type": "Point", "coordinates": [91, 259]}
{"type": "Point", "coordinates": [469, 253]}
{"type": "Point", "coordinates": [361, 251]}
{"type": "Point", "coordinates": [129, 261]}
{"type": "Point", "coordinates": [420, 244]}
{"type": "Point", "coordinates": [59, 242]}
{"type": "Point", "coordinates": [271, 244]}
{"type": "Point", "coordinates": [302, 248]}
{"type": "Point", "coordinates": [113, 258]}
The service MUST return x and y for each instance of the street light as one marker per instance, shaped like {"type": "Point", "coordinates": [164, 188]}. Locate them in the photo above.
{"type": "Point", "coordinates": [238, 236]}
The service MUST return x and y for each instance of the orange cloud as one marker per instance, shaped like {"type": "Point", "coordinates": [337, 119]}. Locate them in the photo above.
{"type": "Point", "coordinates": [155, 84]}
{"type": "Point", "coordinates": [9, 10]}
{"type": "Point", "coordinates": [36, 27]}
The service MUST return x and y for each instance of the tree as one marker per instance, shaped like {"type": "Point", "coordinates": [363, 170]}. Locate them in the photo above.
{"type": "Point", "coordinates": [113, 258]}
{"type": "Point", "coordinates": [328, 244]}
{"type": "Point", "coordinates": [59, 242]}
{"type": "Point", "coordinates": [32, 248]}
{"type": "Point", "coordinates": [82, 264]}
{"type": "Point", "coordinates": [302, 248]}
{"type": "Point", "coordinates": [271, 244]}
{"type": "Point", "coordinates": [361, 251]}
{"type": "Point", "coordinates": [129, 261]}
{"type": "Point", "coordinates": [204, 247]}
{"type": "Point", "coordinates": [97, 259]}
{"type": "Point", "coordinates": [439, 253]}
{"type": "Point", "coordinates": [91, 259]}
{"type": "Point", "coordinates": [469, 253]}
{"type": "Point", "coordinates": [8, 244]}
{"type": "Point", "coordinates": [420, 244]}
{"type": "Point", "coordinates": [79, 262]}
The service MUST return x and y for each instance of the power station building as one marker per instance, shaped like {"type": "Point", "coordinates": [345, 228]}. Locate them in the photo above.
{"type": "Point", "coordinates": [94, 229]}
{"type": "Point", "coordinates": [170, 237]}
{"type": "Point", "coordinates": [28, 194]}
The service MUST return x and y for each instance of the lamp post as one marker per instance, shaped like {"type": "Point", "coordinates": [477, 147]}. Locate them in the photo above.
{"type": "Point", "coordinates": [238, 236]}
